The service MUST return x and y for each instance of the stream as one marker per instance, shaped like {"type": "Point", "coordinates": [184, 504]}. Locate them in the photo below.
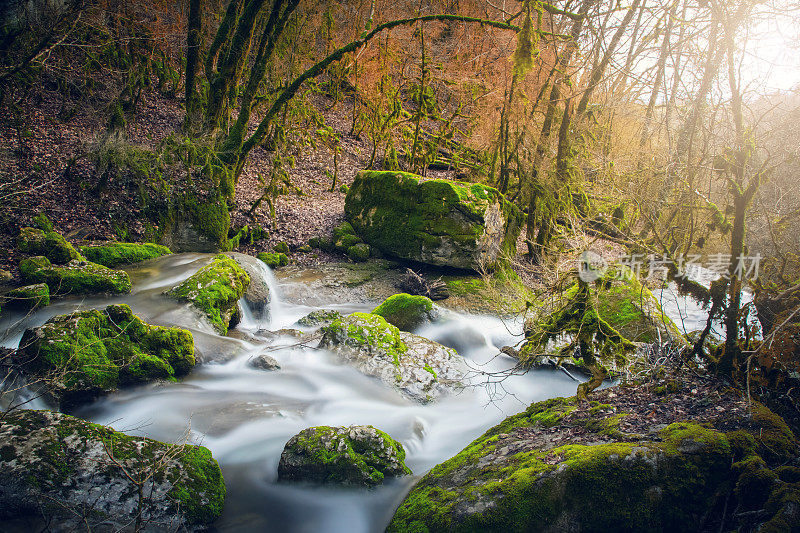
{"type": "Point", "coordinates": [245, 416]}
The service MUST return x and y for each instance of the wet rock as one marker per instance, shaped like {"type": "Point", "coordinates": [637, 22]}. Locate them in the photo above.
{"type": "Point", "coordinates": [75, 475]}
{"type": "Point", "coordinates": [407, 312]}
{"type": "Point", "coordinates": [215, 290]}
{"type": "Point", "coordinates": [264, 361]}
{"type": "Point", "coordinates": [28, 297]}
{"type": "Point", "coordinates": [274, 260]}
{"type": "Point", "coordinates": [113, 254]}
{"type": "Point", "coordinates": [355, 455]}
{"type": "Point", "coordinates": [439, 222]}
{"type": "Point", "coordinates": [79, 356]}
{"type": "Point", "coordinates": [76, 277]}
{"type": "Point", "coordinates": [321, 317]}
{"type": "Point", "coordinates": [257, 295]}
{"type": "Point", "coordinates": [419, 368]}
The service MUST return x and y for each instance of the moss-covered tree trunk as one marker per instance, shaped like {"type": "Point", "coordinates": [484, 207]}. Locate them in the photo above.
{"type": "Point", "coordinates": [192, 59]}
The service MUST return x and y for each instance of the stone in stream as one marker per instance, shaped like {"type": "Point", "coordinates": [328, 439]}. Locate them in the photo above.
{"type": "Point", "coordinates": [112, 254]}
{"type": "Point", "coordinates": [75, 277]}
{"type": "Point", "coordinates": [439, 222]}
{"type": "Point", "coordinates": [76, 476]}
{"type": "Point", "coordinates": [419, 368]}
{"type": "Point", "coordinates": [407, 312]}
{"type": "Point", "coordinates": [264, 361]}
{"type": "Point", "coordinates": [27, 298]}
{"type": "Point", "coordinates": [320, 317]}
{"type": "Point", "coordinates": [215, 290]}
{"type": "Point", "coordinates": [355, 455]}
{"type": "Point", "coordinates": [257, 295]}
{"type": "Point", "coordinates": [76, 357]}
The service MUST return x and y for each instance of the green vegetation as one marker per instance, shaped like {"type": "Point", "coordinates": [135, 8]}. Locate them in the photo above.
{"type": "Point", "coordinates": [369, 330]}
{"type": "Point", "coordinates": [76, 277]}
{"type": "Point", "coordinates": [215, 290]}
{"type": "Point", "coordinates": [28, 297]}
{"type": "Point", "coordinates": [405, 311]}
{"type": "Point", "coordinates": [49, 244]}
{"type": "Point", "coordinates": [274, 260]}
{"type": "Point", "coordinates": [113, 254]}
{"type": "Point", "coordinates": [359, 252]}
{"type": "Point", "coordinates": [89, 352]}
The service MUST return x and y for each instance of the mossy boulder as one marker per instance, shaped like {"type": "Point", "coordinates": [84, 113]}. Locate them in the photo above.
{"type": "Point", "coordinates": [513, 479]}
{"type": "Point", "coordinates": [320, 317]}
{"type": "Point", "coordinates": [113, 254]}
{"type": "Point", "coordinates": [215, 290]}
{"type": "Point", "coordinates": [359, 252]}
{"type": "Point", "coordinates": [281, 248]}
{"type": "Point", "coordinates": [407, 312]}
{"type": "Point", "coordinates": [419, 368]}
{"type": "Point", "coordinates": [84, 354]}
{"type": "Point", "coordinates": [28, 297]}
{"type": "Point", "coordinates": [439, 222]}
{"type": "Point", "coordinates": [274, 259]}
{"type": "Point", "coordinates": [355, 455]}
{"type": "Point", "coordinates": [76, 277]}
{"type": "Point", "coordinates": [50, 244]}
{"type": "Point", "coordinates": [79, 476]}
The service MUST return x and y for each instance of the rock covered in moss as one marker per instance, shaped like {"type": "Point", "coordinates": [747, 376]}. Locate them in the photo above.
{"type": "Point", "coordinates": [320, 317]}
{"type": "Point", "coordinates": [419, 368]}
{"type": "Point", "coordinates": [28, 297]}
{"type": "Point", "coordinates": [87, 353]}
{"type": "Point", "coordinates": [274, 260]}
{"type": "Point", "coordinates": [76, 277]}
{"type": "Point", "coordinates": [439, 222]}
{"type": "Point", "coordinates": [62, 469]}
{"type": "Point", "coordinates": [355, 455]}
{"type": "Point", "coordinates": [407, 312]}
{"type": "Point", "coordinates": [257, 295]}
{"type": "Point", "coordinates": [281, 248]}
{"type": "Point", "coordinates": [50, 244]}
{"type": "Point", "coordinates": [113, 254]}
{"type": "Point", "coordinates": [359, 252]}
{"type": "Point", "coordinates": [215, 290]}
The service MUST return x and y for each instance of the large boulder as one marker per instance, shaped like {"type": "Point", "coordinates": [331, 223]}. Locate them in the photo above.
{"type": "Point", "coordinates": [419, 368]}
{"type": "Point", "coordinates": [257, 295]}
{"type": "Point", "coordinates": [75, 277]}
{"type": "Point", "coordinates": [50, 244]}
{"type": "Point", "coordinates": [74, 475]}
{"type": "Point", "coordinates": [407, 312]}
{"type": "Point", "coordinates": [439, 222]}
{"type": "Point", "coordinates": [215, 291]}
{"type": "Point", "coordinates": [565, 466]}
{"type": "Point", "coordinates": [112, 254]}
{"type": "Point", "coordinates": [77, 357]}
{"type": "Point", "coordinates": [355, 455]}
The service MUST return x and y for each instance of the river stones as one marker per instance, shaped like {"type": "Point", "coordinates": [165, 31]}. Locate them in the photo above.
{"type": "Point", "coordinates": [438, 222]}
{"type": "Point", "coordinates": [75, 475]}
{"type": "Point", "coordinates": [420, 369]}
{"type": "Point", "coordinates": [215, 290]}
{"type": "Point", "coordinates": [320, 317]}
{"type": "Point", "coordinates": [75, 277]}
{"type": "Point", "coordinates": [112, 254]}
{"type": "Point", "coordinates": [355, 455]}
{"type": "Point", "coordinates": [407, 312]}
{"type": "Point", "coordinates": [79, 356]}
{"type": "Point", "coordinates": [264, 361]}
{"type": "Point", "coordinates": [257, 295]}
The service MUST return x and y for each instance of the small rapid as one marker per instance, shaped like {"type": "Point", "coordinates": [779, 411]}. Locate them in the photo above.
{"type": "Point", "coordinates": [245, 415]}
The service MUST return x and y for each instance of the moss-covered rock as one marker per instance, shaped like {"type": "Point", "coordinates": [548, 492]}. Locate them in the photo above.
{"type": "Point", "coordinates": [274, 260]}
{"type": "Point", "coordinates": [281, 248]}
{"type": "Point", "coordinates": [50, 244]}
{"type": "Point", "coordinates": [215, 290]}
{"type": "Point", "coordinates": [405, 311]}
{"type": "Point", "coordinates": [28, 297]}
{"type": "Point", "coordinates": [80, 476]}
{"type": "Point", "coordinates": [419, 368]}
{"type": "Point", "coordinates": [87, 353]}
{"type": "Point", "coordinates": [321, 317]}
{"type": "Point", "coordinates": [113, 254]}
{"type": "Point", "coordinates": [355, 455]}
{"type": "Point", "coordinates": [257, 295]}
{"type": "Point", "coordinates": [359, 252]}
{"type": "Point", "coordinates": [76, 277]}
{"type": "Point", "coordinates": [440, 222]}
{"type": "Point", "coordinates": [506, 480]}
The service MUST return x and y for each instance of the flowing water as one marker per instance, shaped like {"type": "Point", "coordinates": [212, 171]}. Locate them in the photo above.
{"type": "Point", "coordinates": [245, 416]}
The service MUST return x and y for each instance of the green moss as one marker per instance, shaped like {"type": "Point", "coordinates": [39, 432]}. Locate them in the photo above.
{"type": "Point", "coordinates": [76, 277]}
{"type": "Point", "coordinates": [122, 253]}
{"type": "Point", "coordinates": [754, 482]}
{"type": "Point", "coordinates": [281, 248]}
{"type": "Point", "coordinates": [274, 260]}
{"type": "Point", "coordinates": [359, 252]}
{"type": "Point", "coordinates": [49, 244]}
{"type": "Point", "coordinates": [404, 216]}
{"type": "Point", "coordinates": [346, 241]}
{"type": "Point", "coordinates": [405, 311]}
{"type": "Point", "coordinates": [43, 223]}
{"type": "Point", "coordinates": [345, 228]}
{"type": "Point", "coordinates": [321, 243]}
{"type": "Point", "coordinates": [200, 493]}
{"type": "Point", "coordinates": [370, 330]}
{"type": "Point", "coordinates": [29, 297]}
{"type": "Point", "coordinates": [775, 441]}
{"type": "Point", "coordinates": [94, 351]}
{"type": "Point", "coordinates": [215, 290]}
